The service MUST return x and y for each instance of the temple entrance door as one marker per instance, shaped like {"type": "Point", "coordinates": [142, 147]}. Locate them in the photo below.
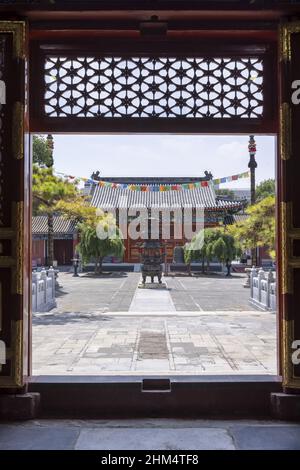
{"type": "Point", "coordinates": [14, 207]}
{"type": "Point", "coordinates": [15, 217]}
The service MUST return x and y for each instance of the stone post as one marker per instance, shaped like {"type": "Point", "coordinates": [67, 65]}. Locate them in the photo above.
{"type": "Point", "coordinates": [35, 285]}
{"type": "Point", "coordinates": [247, 281]}
{"type": "Point", "coordinates": [253, 273]}
{"type": "Point", "coordinates": [270, 279]}
{"type": "Point", "coordinates": [43, 277]}
{"type": "Point", "coordinates": [261, 276]}
{"type": "Point", "coordinates": [51, 273]}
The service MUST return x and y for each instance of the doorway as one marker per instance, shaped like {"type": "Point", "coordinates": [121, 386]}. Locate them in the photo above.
{"type": "Point", "coordinates": [267, 123]}
{"type": "Point", "coordinates": [199, 320]}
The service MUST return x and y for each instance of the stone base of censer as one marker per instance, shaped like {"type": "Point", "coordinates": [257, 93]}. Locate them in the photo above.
{"type": "Point", "coordinates": [154, 285]}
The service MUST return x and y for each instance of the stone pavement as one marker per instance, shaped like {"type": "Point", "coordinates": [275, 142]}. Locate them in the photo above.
{"type": "Point", "coordinates": [117, 292]}
{"type": "Point", "coordinates": [88, 293]}
{"type": "Point", "coordinates": [135, 343]}
{"type": "Point", "coordinates": [152, 300]}
{"type": "Point", "coordinates": [209, 293]}
{"type": "Point", "coordinates": [106, 325]}
{"type": "Point", "coordinates": [150, 434]}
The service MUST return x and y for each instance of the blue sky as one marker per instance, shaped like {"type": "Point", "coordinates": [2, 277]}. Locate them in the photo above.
{"type": "Point", "coordinates": [162, 155]}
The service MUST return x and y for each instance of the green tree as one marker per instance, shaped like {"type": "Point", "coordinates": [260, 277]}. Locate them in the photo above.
{"type": "Point", "coordinates": [99, 237]}
{"type": "Point", "coordinates": [92, 222]}
{"type": "Point", "coordinates": [212, 243]}
{"type": "Point", "coordinates": [198, 249]}
{"type": "Point", "coordinates": [264, 189]}
{"type": "Point", "coordinates": [78, 208]}
{"type": "Point", "coordinates": [42, 153]}
{"type": "Point", "coordinates": [225, 249]}
{"type": "Point", "coordinates": [48, 190]}
{"type": "Point", "coordinates": [259, 228]}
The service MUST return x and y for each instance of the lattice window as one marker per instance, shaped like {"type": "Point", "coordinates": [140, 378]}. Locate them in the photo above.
{"type": "Point", "coordinates": [147, 87]}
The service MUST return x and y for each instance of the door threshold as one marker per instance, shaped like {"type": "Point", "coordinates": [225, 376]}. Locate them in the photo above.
{"type": "Point", "coordinates": [137, 378]}
{"type": "Point", "coordinates": [112, 397]}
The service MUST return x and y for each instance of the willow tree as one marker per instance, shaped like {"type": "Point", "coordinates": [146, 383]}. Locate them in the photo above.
{"type": "Point", "coordinates": [225, 248]}
{"type": "Point", "coordinates": [48, 191]}
{"type": "Point", "coordinates": [210, 244]}
{"type": "Point", "coordinates": [99, 237]}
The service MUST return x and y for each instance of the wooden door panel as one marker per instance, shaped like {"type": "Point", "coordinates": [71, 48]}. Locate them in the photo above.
{"type": "Point", "coordinates": [14, 207]}
{"type": "Point", "coordinates": [289, 216]}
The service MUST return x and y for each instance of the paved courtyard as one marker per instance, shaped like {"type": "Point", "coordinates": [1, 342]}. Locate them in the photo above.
{"type": "Point", "coordinates": [195, 325]}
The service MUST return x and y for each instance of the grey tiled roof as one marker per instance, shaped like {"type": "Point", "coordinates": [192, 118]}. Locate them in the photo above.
{"type": "Point", "coordinates": [61, 225]}
{"type": "Point", "coordinates": [203, 197]}
{"type": "Point", "coordinates": [235, 218]}
{"type": "Point", "coordinates": [153, 179]}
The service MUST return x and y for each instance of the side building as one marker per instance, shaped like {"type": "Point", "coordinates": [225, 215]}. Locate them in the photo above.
{"type": "Point", "coordinates": [65, 239]}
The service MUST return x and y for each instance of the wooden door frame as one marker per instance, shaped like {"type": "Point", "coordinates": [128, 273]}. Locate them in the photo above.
{"type": "Point", "coordinates": [286, 232]}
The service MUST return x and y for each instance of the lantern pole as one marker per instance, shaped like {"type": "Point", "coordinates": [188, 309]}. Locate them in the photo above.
{"type": "Point", "coordinates": [50, 141]}
{"type": "Point", "coordinates": [252, 165]}
{"type": "Point", "coordinates": [50, 144]}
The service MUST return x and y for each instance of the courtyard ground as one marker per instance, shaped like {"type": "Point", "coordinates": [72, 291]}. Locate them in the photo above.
{"type": "Point", "coordinates": [196, 325]}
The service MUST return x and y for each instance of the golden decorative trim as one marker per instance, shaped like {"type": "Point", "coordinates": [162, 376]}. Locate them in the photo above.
{"type": "Point", "coordinates": [285, 131]}
{"type": "Point", "coordinates": [288, 234]}
{"type": "Point", "coordinates": [289, 263]}
{"type": "Point", "coordinates": [286, 31]}
{"type": "Point", "coordinates": [286, 351]}
{"type": "Point", "coordinates": [286, 279]}
{"type": "Point", "coordinates": [18, 130]}
{"type": "Point", "coordinates": [285, 44]}
{"type": "Point", "coordinates": [19, 253]}
{"type": "Point", "coordinates": [289, 378]}
{"type": "Point", "coordinates": [18, 30]}
{"type": "Point", "coordinates": [17, 334]}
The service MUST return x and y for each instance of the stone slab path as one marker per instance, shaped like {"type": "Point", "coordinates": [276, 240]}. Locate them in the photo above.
{"type": "Point", "coordinates": [152, 300]}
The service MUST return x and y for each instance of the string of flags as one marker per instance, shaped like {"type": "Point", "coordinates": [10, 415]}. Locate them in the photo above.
{"type": "Point", "coordinates": [156, 187]}
{"type": "Point", "coordinates": [227, 179]}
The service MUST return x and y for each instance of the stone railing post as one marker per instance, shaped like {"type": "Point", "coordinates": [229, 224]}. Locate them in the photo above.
{"type": "Point", "coordinates": [270, 280]}
{"type": "Point", "coordinates": [43, 277]}
{"type": "Point", "coordinates": [261, 276]}
{"type": "Point", "coordinates": [51, 273]}
{"type": "Point", "coordinates": [34, 289]}
{"type": "Point", "coordinates": [253, 273]}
